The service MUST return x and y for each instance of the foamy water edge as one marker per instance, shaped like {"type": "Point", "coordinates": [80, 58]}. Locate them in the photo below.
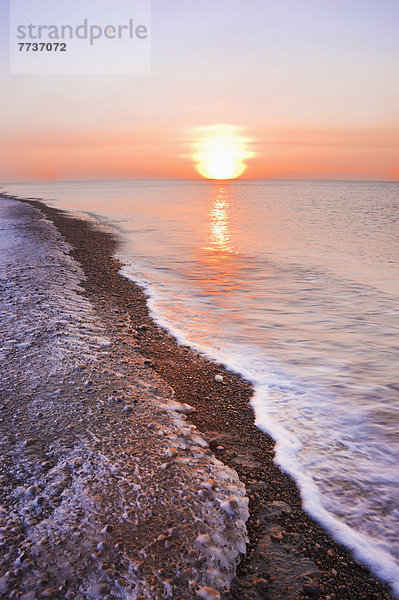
{"type": "Point", "coordinates": [380, 563]}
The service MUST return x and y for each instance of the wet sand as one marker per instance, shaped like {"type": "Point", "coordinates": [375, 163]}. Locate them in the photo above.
{"type": "Point", "coordinates": [289, 556]}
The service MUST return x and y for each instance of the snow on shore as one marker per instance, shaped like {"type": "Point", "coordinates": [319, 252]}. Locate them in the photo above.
{"type": "Point", "coordinates": [106, 490]}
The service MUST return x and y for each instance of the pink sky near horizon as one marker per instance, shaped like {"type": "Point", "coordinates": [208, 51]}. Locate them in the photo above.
{"type": "Point", "coordinates": [295, 154]}
{"type": "Point", "coordinates": [312, 84]}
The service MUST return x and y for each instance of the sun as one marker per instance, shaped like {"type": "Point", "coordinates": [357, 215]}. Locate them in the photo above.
{"type": "Point", "coordinates": [220, 165]}
{"type": "Point", "coordinates": [220, 152]}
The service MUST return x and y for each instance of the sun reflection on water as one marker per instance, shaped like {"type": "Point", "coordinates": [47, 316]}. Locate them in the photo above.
{"type": "Point", "coordinates": [220, 238]}
{"type": "Point", "coordinates": [218, 277]}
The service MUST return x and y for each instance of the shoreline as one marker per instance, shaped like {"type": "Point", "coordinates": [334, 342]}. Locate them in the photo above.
{"type": "Point", "coordinates": [107, 490]}
{"type": "Point", "coordinates": [289, 555]}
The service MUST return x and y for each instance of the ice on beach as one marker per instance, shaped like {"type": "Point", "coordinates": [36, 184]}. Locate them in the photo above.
{"type": "Point", "coordinates": [91, 486]}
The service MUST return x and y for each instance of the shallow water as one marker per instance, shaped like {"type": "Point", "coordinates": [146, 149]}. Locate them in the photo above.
{"type": "Point", "coordinates": [296, 286]}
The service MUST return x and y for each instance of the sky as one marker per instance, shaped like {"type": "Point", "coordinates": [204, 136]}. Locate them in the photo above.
{"type": "Point", "coordinates": [312, 85]}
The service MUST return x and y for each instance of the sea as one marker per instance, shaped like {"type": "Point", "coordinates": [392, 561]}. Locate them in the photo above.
{"type": "Point", "coordinates": [294, 285]}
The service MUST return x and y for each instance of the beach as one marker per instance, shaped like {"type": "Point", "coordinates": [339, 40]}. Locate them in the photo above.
{"type": "Point", "coordinates": [143, 452]}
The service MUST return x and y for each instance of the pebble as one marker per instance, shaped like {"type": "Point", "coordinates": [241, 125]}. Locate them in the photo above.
{"type": "Point", "coordinates": [186, 574]}
{"type": "Point", "coordinates": [128, 408]}
{"type": "Point", "coordinates": [38, 502]}
{"type": "Point", "coordinates": [29, 596]}
{"type": "Point", "coordinates": [207, 593]}
{"type": "Point", "coordinates": [209, 485]}
{"type": "Point", "coordinates": [49, 593]}
{"type": "Point", "coordinates": [219, 378]}
{"type": "Point", "coordinates": [102, 547]}
{"type": "Point", "coordinates": [213, 444]}
{"type": "Point", "coordinates": [99, 590]}
{"type": "Point", "coordinates": [203, 539]}
{"type": "Point", "coordinates": [20, 559]}
{"type": "Point", "coordinates": [204, 494]}
{"type": "Point", "coordinates": [138, 567]}
{"type": "Point", "coordinates": [311, 590]}
{"type": "Point", "coordinates": [230, 507]}
{"type": "Point", "coordinates": [32, 491]}
{"type": "Point", "coordinates": [261, 585]}
{"type": "Point", "coordinates": [107, 529]}
{"type": "Point", "coordinates": [171, 453]}
{"type": "Point", "coordinates": [173, 532]}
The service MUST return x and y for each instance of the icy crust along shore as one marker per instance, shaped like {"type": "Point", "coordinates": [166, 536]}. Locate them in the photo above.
{"type": "Point", "coordinates": [106, 490]}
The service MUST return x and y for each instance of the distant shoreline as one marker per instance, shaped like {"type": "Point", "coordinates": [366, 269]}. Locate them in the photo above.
{"type": "Point", "coordinates": [289, 556]}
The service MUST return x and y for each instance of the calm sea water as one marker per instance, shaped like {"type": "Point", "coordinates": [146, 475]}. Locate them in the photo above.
{"type": "Point", "coordinates": [296, 286]}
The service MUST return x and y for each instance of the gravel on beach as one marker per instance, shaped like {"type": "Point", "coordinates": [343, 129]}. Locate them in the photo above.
{"type": "Point", "coordinates": [128, 459]}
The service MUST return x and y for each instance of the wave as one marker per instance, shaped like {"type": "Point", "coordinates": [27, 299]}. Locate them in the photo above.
{"type": "Point", "coordinates": [269, 379]}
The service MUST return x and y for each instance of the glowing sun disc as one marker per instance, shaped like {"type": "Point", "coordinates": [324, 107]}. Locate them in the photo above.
{"type": "Point", "coordinates": [220, 152]}
{"type": "Point", "coordinates": [220, 167]}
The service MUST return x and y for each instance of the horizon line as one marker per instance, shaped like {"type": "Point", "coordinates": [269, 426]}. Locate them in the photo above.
{"type": "Point", "coordinates": [199, 179]}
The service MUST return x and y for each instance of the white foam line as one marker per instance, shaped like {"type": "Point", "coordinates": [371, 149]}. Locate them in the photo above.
{"type": "Point", "coordinates": [380, 562]}
{"type": "Point", "coordinates": [365, 551]}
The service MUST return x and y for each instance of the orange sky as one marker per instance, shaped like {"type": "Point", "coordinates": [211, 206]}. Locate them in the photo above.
{"type": "Point", "coordinates": [298, 154]}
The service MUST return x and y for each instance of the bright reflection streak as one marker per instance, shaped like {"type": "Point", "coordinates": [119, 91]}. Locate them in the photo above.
{"type": "Point", "coordinates": [219, 231]}
{"type": "Point", "coordinates": [218, 256]}
{"type": "Point", "coordinates": [220, 276]}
